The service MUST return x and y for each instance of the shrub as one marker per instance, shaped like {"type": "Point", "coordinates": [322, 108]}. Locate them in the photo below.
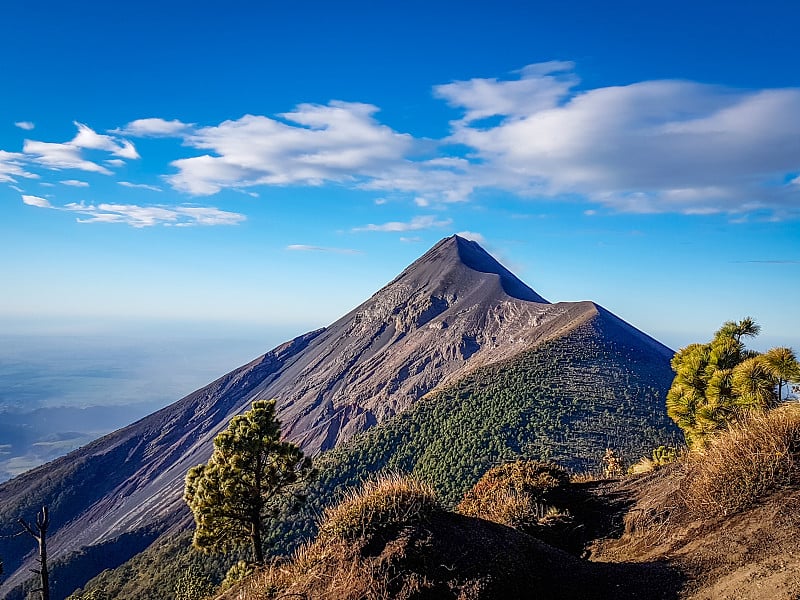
{"type": "Point", "coordinates": [385, 503]}
{"type": "Point", "coordinates": [663, 455]}
{"type": "Point", "coordinates": [516, 494]}
{"type": "Point", "coordinates": [90, 595]}
{"type": "Point", "coordinates": [238, 572]}
{"type": "Point", "coordinates": [745, 463]}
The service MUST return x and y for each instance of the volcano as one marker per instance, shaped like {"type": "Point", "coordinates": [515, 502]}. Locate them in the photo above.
{"type": "Point", "coordinates": [454, 310]}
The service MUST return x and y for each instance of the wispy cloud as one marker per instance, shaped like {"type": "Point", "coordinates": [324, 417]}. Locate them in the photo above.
{"type": "Point", "coordinates": [88, 138]}
{"type": "Point", "coordinates": [142, 216]}
{"type": "Point", "coordinates": [140, 186]}
{"type": "Point", "coordinates": [26, 125]}
{"type": "Point", "coordinates": [768, 262]}
{"type": "Point", "coordinates": [154, 127]}
{"type": "Point", "coordinates": [60, 156]}
{"type": "Point", "coordinates": [473, 236]}
{"type": "Point", "coordinates": [12, 166]}
{"type": "Point", "coordinates": [69, 155]}
{"type": "Point", "coordinates": [415, 224]}
{"type": "Point", "coordinates": [307, 248]}
{"type": "Point", "coordinates": [74, 183]}
{"type": "Point", "coordinates": [36, 201]}
{"type": "Point", "coordinates": [539, 87]}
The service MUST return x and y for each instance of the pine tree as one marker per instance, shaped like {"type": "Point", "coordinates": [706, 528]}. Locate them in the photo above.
{"type": "Point", "coordinates": [718, 382]}
{"type": "Point", "coordinates": [247, 481]}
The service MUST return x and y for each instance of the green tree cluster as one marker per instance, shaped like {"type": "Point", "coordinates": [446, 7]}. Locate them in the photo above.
{"type": "Point", "coordinates": [245, 482]}
{"type": "Point", "coordinates": [716, 383]}
{"type": "Point", "coordinates": [193, 584]}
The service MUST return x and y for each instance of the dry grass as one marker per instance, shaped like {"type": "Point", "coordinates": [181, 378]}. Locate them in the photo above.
{"type": "Point", "coordinates": [387, 502]}
{"type": "Point", "coordinates": [515, 494]}
{"type": "Point", "coordinates": [738, 468]}
{"type": "Point", "coordinates": [745, 463]}
{"type": "Point", "coordinates": [332, 568]}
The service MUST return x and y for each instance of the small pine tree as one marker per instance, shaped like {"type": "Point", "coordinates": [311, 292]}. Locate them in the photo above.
{"type": "Point", "coordinates": [244, 483]}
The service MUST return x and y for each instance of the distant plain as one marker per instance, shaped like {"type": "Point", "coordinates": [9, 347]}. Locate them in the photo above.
{"type": "Point", "coordinates": [59, 391]}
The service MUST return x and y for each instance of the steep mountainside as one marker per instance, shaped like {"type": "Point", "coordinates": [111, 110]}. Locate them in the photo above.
{"type": "Point", "coordinates": [565, 400]}
{"type": "Point", "coordinates": [452, 311]}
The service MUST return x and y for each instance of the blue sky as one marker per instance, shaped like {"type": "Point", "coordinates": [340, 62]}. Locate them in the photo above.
{"type": "Point", "coordinates": [270, 165]}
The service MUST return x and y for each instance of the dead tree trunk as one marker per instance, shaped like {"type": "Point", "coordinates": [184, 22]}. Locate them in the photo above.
{"type": "Point", "coordinates": [39, 533]}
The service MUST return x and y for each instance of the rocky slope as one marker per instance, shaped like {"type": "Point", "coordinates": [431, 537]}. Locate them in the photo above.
{"type": "Point", "coordinates": [452, 311]}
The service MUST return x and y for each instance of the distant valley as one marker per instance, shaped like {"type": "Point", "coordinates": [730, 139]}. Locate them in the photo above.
{"type": "Point", "coordinates": [59, 392]}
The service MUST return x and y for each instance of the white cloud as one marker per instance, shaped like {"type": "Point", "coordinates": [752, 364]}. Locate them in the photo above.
{"type": "Point", "coordinates": [60, 156]}
{"type": "Point", "coordinates": [410, 239]}
{"type": "Point", "coordinates": [12, 166]}
{"type": "Point", "coordinates": [142, 216]}
{"type": "Point", "coordinates": [74, 183]}
{"type": "Point", "coordinates": [154, 127]}
{"type": "Point", "coordinates": [314, 144]}
{"type": "Point", "coordinates": [140, 186]}
{"type": "Point", "coordinates": [417, 223]}
{"type": "Point", "coordinates": [473, 236]}
{"type": "Point", "coordinates": [26, 125]}
{"type": "Point", "coordinates": [540, 87]}
{"type": "Point", "coordinates": [88, 138]}
{"type": "Point", "coordinates": [307, 248]}
{"type": "Point", "coordinates": [36, 201]}
{"type": "Point", "coordinates": [69, 155]}
{"type": "Point", "coordinates": [648, 147]}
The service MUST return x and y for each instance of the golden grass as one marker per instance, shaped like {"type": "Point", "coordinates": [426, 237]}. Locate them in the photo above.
{"type": "Point", "coordinates": [743, 464]}
{"type": "Point", "coordinates": [331, 568]}
{"type": "Point", "coordinates": [386, 502]}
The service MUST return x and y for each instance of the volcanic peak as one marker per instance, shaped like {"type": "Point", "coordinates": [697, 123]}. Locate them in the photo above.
{"type": "Point", "coordinates": [454, 262]}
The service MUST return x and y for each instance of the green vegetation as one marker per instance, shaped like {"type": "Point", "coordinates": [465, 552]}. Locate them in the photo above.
{"type": "Point", "coordinates": [152, 574]}
{"type": "Point", "coordinates": [238, 572]}
{"type": "Point", "coordinates": [239, 488]}
{"type": "Point", "coordinates": [193, 584]}
{"type": "Point", "coordinates": [719, 382]}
